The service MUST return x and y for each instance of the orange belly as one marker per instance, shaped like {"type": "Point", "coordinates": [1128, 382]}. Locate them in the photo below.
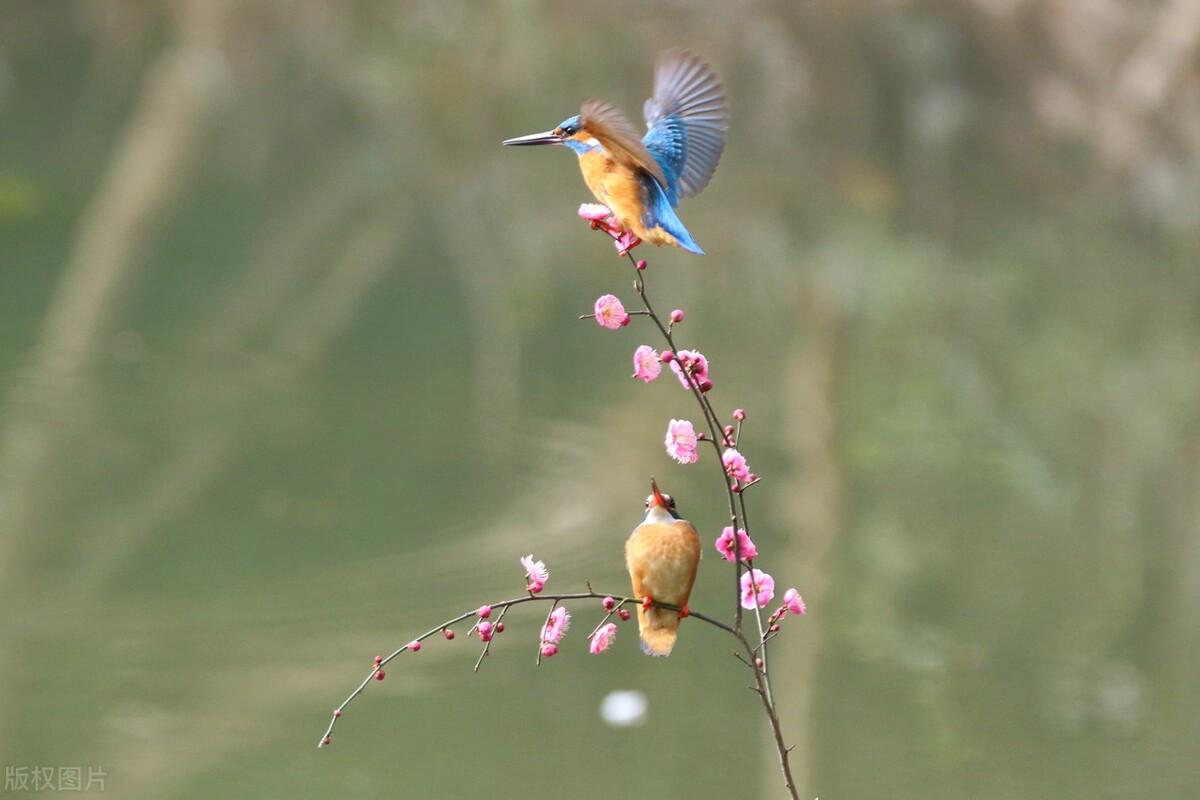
{"type": "Point", "coordinates": [621, 188]}
{"type": "Point", "coordinates": [662, 559]}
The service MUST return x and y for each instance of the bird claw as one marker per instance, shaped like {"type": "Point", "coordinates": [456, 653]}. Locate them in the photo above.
{"type": "Point", "coordinates": [685, 612]}
{"type": "Point", "coordinates": [647, 603]}
{"type": "Point", "coordinates": [625, 241]}
{"type": "Point", "coordinates": [600, 217]}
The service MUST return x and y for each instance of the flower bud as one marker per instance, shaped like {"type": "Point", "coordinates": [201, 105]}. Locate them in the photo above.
{"type": "Point", "coordinates": [641, 264]}
{"type": "Point", "coordinates": [623, 614]}
{"type": "Point", "coordinates": [608, 603]}
{"type": "Point", "coordinates": [677, 315]}
{"type": "Point", "coordinates": [739, 414]}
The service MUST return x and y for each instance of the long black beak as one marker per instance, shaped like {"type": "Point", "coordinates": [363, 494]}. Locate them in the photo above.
{"type": "Point", "coordinates": [547, 137]}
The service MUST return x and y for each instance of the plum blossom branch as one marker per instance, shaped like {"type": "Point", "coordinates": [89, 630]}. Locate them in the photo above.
{"type": "Point", "coordinates": [753, 588]}
{"type": "Point", "coordinates": [492, 629]}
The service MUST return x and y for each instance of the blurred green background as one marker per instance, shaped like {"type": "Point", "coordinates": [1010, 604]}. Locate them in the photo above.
{"type": "Point", "coordinates": [289, 371]}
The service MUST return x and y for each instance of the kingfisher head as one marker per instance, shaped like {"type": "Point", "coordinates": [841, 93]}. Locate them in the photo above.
{"type": "Point", "coordinates": [659, 504]}
{"type": "Point", "coordinates": [570, 132]}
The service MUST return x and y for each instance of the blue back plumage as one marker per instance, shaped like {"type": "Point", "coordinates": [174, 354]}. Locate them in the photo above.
{"type": "Point", "coordinates": [686, 120]}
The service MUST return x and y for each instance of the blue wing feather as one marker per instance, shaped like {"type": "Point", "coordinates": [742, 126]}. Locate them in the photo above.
{"type": "Point", "coordinates": [686, 121]}
{"type": "Point", "coordinates": [667, 143]}
{"type": "Point", "coordinates": [660, 212]}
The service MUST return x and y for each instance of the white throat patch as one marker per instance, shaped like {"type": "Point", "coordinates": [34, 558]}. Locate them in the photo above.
{"type": "Point", "coordinates": [657, 514]}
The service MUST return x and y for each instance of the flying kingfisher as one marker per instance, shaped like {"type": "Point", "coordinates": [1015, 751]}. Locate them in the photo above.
{"type": "Point", "coordinates": [662, 555]}
{"type": "Point", "coordinates": [641, 180]}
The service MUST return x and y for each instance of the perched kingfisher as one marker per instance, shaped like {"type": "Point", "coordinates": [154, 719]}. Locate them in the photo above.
{"type": "Point", "coordinates": [641, 180]}
{"type": "Point", "coordinates": [662, 555]}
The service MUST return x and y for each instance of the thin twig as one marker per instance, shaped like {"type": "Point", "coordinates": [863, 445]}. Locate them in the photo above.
{"type": "Point", "coordinates": [755, 655]}
{"type": "Point", "coordinates": [503, 606]}
{"type": "Point", "coordinates": [542, 632]}
{"type": "Point", "coordinates": [734, 490]}
{"type": "Point", "coordinates": [487, 646]}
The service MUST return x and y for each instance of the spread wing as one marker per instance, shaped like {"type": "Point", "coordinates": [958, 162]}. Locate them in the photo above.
{"type": "Point", "coordinates": [686, 120]}
{"type": "Point", "coordinates": [618, 136]}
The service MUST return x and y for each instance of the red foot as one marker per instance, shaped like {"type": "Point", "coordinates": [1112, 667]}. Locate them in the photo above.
{"type": "Point", "coordinates": [647, 603]}
{"type": "Point", "coordinates": [685, 612]}
{"type": "Point", "coordinates": [625, 242]}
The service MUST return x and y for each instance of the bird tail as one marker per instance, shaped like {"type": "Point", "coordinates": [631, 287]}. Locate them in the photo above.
{"type": "Point", "coordinates": [658, 628]}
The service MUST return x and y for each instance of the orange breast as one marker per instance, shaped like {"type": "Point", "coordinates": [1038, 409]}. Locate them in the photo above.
{"type": "Point", "coordinates": [662, 559]}
{"type": "Point", "coordinates": [618, 186]}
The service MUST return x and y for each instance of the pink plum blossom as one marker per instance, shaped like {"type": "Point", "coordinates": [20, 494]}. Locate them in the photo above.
{"type": "Point", "coordinates": [602, 638]}
{"type": "Point", "coordinates": [681, 441]}
{"type": "Point", "coordinates": [646, 364]}
{"type": "Point", "coordinates": [594, 212]}
{"type": "Point", "coordinates": [556, 626]}
{"type": "Point", "coordinates": [794, 603]}
{"type": "Point", "coordinates": [735, 465]}
{"type": "Point", "coordinates": [610, 313]}
{"type": "Point", "coordinates": [745, 546]}
{"type": "Point", "coordinates": [601, 217]}
{"type": "Point", "coordinates": [756, 583]}
{"type": "Point", "coordinates": [486, 631]}
{"type": "Point", "coordinates": [536, 573]}
{"type": "Point", "coordinates": [694, 363]}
